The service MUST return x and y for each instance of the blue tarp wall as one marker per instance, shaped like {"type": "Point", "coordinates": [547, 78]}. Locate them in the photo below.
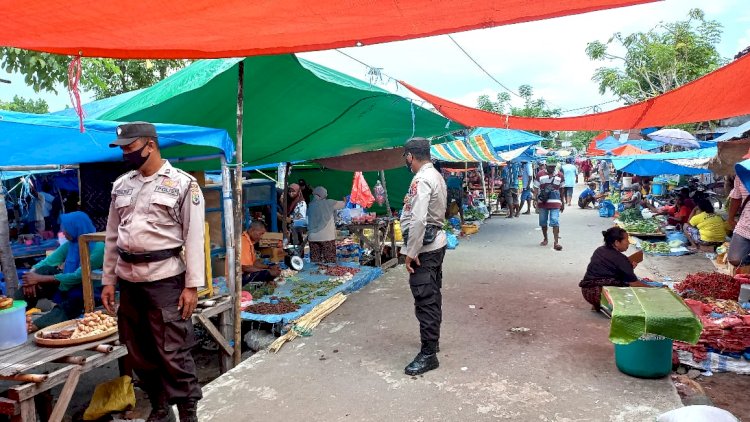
{"type": "Point", "coordinates": [506, 139]}
{"type": "Point", "coordinates": [33, 139]}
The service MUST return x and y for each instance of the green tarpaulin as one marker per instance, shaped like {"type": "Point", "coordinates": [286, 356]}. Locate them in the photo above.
{"type": "Point", "coordinates": [638, 310]}
{"type": "Point", "coordinates": [294, 109]}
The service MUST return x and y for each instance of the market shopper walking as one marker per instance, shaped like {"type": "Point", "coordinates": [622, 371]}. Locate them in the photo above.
{"type": "Point", "coordinates": [422, 220]}
{"type": "Point", "coordinates": [154, 252]}
{"type": "Point", "coordinates": [509, 175]}
{"type": "Point", "coordinates": [739, 247]}
{"type": "Point", "coordinates": [570, 172]}
{"type": "Point", "coordinates": [548, 191]}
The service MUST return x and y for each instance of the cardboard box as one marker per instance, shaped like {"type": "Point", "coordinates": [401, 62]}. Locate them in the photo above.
{"type": "Point", "coordinates": [274, 254]}
{"type": "Point", "coordinates": [636, 258]}
{"type": "Point", "coordinates": [271, 240]}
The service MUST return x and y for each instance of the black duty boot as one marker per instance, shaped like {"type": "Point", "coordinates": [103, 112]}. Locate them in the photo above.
{"type": "Point", "coordinates": [188, 411]}
{"type": "Point", "coordinates": [161, 411]}
{"type": "Point", "coordinates": [422, 363]}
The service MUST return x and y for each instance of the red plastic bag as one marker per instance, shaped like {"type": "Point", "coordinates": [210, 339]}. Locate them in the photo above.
{"type": "Point", "coordinates": [361, 194]}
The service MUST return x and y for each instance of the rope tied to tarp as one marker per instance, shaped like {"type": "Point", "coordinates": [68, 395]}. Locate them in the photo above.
{"type": "Point", "coordinates": [74, 90]}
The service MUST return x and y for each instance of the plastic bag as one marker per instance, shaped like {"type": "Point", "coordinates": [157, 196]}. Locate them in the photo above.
{"type": "Point", "coordinates": [452, 240]}
{"type": "Point", "coordinates": [361, 191]}
{"type": "Point", "coordinates": [112, 396]}
{"type": "Point", "coordinates": [697, 413]}
{"type": "Point", "coordinates": [676, 237]}
{"type": "Point", "coordinates": [379, 193]}
{"type": "Point", "coordinates": [606, 209]}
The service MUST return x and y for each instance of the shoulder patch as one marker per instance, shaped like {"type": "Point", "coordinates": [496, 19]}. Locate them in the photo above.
{"type": "Point", "coordinates": [188, 175]}
{"type": "Point", "coordinates": [195, 193]}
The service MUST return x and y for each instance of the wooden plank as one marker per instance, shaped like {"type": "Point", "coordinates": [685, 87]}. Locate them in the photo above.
{"type": "Point", "coordinates": [8, 407]}
{"type": "Point", "coordinates": [212, 311]}
{"type": "Point", "coordinates": [86, 283]}
{"type": "Point", "coordinates": [226, 362]}
{"type": "Point", "coordinates": [215, 334]}
{"type": "Point", "coordinates": [390, 263]}
{"type": "Point", "coordinates": [27, 412]}
{"type": "Point", "coordinates": [65, 395]}
{"type": "Point", "coordinates": [34, 356]}
{"type": "Point", "coordinates": [27, 391]}
{"type": "Point", "coordinates": [26, 378]}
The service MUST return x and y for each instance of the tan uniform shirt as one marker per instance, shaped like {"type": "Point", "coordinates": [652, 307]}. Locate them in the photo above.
{"type": "Point", "coordinates": [162, 211]}
{"type": "Point", "coordinates": [424, 204]}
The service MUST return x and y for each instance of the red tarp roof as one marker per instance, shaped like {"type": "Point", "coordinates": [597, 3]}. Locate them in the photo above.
{"type": "Point", "coordinates": [601, 136]}
{"type": "Point", "coordinates": [593, 150]}
{"type": "Point", "coordinates": [720, 94]}
{"type": "Point", "coordinates": [628, 150]}
{"type": "Point", "coordinates": [235, 28]}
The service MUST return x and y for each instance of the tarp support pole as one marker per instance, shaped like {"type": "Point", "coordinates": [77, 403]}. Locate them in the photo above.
{"type": "Point", "coordinates": [227, 329]}
{"type": "Point", "coordinates": [285, 203]}
{"type": "Point", "coordinates": [484, 183]}
{"type": "Point", "coordinates": [33, 168]}
{"type": "Point", "coordinates": [238, 208]}
{"type": "Point", "coordinates": [385, 189]}
{"type": "Point", "coordinates": [7, 262]}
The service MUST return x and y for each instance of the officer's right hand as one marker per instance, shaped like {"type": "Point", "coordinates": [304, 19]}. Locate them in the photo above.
{"type": "Point", "coordinates": [108, 298]}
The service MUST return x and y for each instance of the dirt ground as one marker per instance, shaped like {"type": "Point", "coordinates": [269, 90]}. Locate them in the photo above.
{"type": "Point", "coordinates": [728, 391]}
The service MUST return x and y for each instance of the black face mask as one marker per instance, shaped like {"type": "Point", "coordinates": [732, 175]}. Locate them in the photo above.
{"type": "Point", "coordinates": [134, 159]}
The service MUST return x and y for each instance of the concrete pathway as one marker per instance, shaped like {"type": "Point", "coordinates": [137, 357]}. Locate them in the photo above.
{"type": "Point", "coordinates": [562, 369]}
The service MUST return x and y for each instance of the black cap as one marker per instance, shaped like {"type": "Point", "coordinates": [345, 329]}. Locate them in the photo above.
{"type": "Point", "coordinates": [417, 145]}
{"type": "Point", "coordinates": [129, 132]}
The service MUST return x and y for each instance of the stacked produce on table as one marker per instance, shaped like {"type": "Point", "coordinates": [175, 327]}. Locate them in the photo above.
{"type": "Point", "coordinates": [726, 324]}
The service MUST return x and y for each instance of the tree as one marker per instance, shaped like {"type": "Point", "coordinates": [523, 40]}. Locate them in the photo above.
{"type": "Point", "coordinates": [532, 107]}
{"type": "Point", "coordinates": [659, 60]}
{"type": "Point", "coordinates": [23, 105]}
{"type": "Point", "coordinates": [103, 77]}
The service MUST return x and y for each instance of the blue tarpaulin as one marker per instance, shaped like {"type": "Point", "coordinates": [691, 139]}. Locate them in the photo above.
{"type": "Point", "coordinates": [610, 142]}
{"type": "Point", "coordinates": [743, 172]}
{"type": "Point", "coordinates": [506, 139]}
{"type": "Point", "coordinates": [32, 139]}
{"type": "Point", "coordinates": [96, 109]}
{"type": "Point", "coordinates": [656, 168]}
{"type": "Point", "coordinates": [735, 132]}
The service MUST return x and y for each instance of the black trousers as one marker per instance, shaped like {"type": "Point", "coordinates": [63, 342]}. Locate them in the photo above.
{"type": "Point", "coordinates": [158, 339]}
{"type": "Point", "coordinates": [425, 283]}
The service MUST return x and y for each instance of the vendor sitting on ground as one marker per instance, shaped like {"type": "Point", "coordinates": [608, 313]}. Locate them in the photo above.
{"type": "Point", "coordinates": [321, 227]}
{"type": "Point", "coordinates": [609, 267]}
{"type": "Point", "coordinates": [62, 286]}
{"type": "Point", "coordinates": [679, 213]}
{"type": "Point", "coordinates": [632, 198]}
{"type": "Point", "coordinates": [589, 196]}
{"type": "Point", "coordinates": [705, 228]}
{"type": "Point", "coordinates": [252, 270]}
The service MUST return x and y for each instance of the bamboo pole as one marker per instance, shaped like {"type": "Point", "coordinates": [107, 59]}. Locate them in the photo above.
{"type": "Point", "coordinates": [385, 189]}
{"type": "Point", "coordinates": [484, 184]}
{"type": "Point", "coordinates": [7, 263]}
{"type": "Point", "coordinates": [285, 204]}
{"type": "Point", "coordinates": [238, 216]}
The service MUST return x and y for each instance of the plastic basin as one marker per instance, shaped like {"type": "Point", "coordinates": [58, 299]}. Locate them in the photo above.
{"type": "Point", "coordinates": [657, 189]}
{"type": "Point", "coordinates": [13, 325]}
{"type": "Point", "coordinates": [645, 358]}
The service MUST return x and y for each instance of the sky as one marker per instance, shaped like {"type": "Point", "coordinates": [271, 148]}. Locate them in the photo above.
{"type": "Point", "coordinates": [549, 55]}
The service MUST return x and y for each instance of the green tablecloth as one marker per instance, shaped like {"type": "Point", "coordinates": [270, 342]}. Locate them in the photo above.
{"type": "Point", "coordinates": [640, 310]}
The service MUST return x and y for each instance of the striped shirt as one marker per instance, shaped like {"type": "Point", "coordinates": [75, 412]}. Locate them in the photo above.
{"type": "Point", "coordinates": [543, 179]}
{"type": "Point", "coordinates": [743, 223]}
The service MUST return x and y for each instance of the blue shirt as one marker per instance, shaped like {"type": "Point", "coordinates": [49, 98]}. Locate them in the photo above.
{"type": "Point", "coordinates": [510, 176]}
{"type": "Point", "coordinates": [569, 172]}
{"type": "Point", "coordinates": [588, 193]}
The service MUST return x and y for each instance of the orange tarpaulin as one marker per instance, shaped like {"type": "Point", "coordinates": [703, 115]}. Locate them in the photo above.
{"type": "Point", "coordinates": [593, 150]}
{"type": "Point", "coordinates": [628, 150]}
{"type": "Point", "coordinates": [720, 94]}
{"type": "Point", "coordinates": [235, 28]}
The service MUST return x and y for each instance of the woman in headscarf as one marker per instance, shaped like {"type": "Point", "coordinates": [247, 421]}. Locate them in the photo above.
{"type": "Point", "coordinates": [296, 213]}
{"type": "Point", "coordinates": [58, 277]}
{"type": "Point", "coordinates": [321, 228]}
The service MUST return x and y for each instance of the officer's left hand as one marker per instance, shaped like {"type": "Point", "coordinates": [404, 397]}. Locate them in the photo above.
{"type": "Point", "coordinates": [409, 261]}
{"type": "Point", "coordinates": [188, 301]}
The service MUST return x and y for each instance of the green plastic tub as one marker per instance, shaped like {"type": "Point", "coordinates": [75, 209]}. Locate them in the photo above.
{"type": "Point", "coordinates": [648, 357]}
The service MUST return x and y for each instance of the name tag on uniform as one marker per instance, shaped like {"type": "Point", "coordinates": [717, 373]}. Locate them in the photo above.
{"type": "Point", "coordinates": [168, 191]}
{"type": "Point", "coordinates": [123, 192]}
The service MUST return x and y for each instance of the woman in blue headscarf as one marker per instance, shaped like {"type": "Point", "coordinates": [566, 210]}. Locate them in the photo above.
{"type": "Point", "coordinates": [58, 277]}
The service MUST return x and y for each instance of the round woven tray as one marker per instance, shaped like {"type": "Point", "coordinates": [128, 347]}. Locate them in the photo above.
{"type": "Point", "coordinates": [71, 324]}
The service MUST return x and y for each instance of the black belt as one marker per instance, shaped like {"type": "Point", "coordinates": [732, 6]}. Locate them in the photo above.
{"type": "Point", "coordinates": [154, 256]}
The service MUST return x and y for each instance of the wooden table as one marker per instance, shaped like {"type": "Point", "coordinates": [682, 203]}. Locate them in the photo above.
{"type": "Point", "coordinates": [19, 363]}
{"type": "Point", "coordinates": [377, 242]}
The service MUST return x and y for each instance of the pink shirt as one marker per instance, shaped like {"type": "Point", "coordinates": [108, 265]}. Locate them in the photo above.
{"type": "Point", "coordinates": [743, 224]}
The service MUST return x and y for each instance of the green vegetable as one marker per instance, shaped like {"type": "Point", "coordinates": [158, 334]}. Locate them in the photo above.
{"type": "Point", "coordinates": [656, 247]}
{"type": "Point", "coordinates": [642, 226]}
{"type": "Point", "coordinates": [630, 215]}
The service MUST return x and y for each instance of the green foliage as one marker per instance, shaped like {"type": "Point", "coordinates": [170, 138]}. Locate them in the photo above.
{"type": "Point", "coordinates": [23, 105]}
{"type": "Point", "coordinates": [532, 107]}
{"type": "Point", "coordinates": [103, 77]}
{"type": "Point", "coordinates": [580, 139]}
{"type": "Point", "coordinates": [659, 60]}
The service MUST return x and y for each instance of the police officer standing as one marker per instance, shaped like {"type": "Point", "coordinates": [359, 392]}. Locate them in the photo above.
{"type": "Point", "coordinates": [422, 222]}
{"type": "Point", "coordinates": [154, 251]}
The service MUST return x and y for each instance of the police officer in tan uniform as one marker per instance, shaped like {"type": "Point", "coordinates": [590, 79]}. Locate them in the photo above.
{"type": "Point", "coordinates": [154, 252]}
{"type": "Point", "coordinates": [422, 223]}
